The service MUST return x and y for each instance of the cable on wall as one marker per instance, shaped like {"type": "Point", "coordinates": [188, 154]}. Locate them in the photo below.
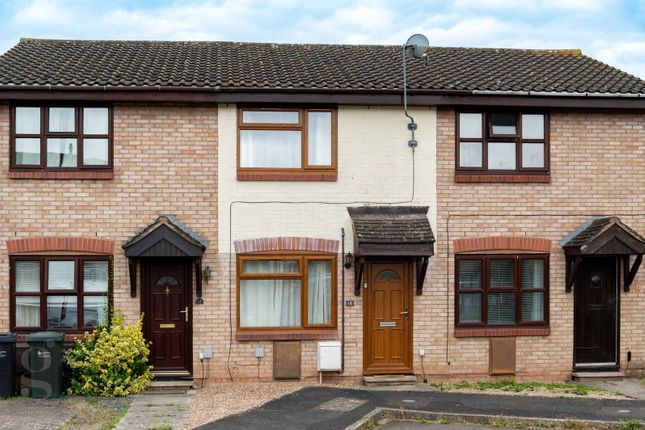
{"type": "Point", "coordinates": [286, 202]}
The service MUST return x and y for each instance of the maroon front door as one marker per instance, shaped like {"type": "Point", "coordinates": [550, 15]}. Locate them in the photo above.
{"type": "Point", "coordinates": [595, 313]}
{"type": "Point", "coordinates": [166, 303]}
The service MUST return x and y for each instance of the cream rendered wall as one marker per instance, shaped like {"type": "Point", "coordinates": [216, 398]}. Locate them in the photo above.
{"type": "Point", "coordinates": [374, 165]}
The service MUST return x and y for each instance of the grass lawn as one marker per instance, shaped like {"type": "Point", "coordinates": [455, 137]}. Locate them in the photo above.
{"type": "Point", "coordinates": [512, 386]}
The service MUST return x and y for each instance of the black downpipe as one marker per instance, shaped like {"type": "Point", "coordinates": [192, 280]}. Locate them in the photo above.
{"type": "Point", "coordinates": [342, 298]}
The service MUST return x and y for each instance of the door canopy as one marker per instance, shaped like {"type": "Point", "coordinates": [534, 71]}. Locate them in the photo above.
{"type": "Point", "coordinates": [392, 231]}
{"type": "Point", "coordinates": [165, 237]}
{"type": "Point", "coordinates": [606, 236]}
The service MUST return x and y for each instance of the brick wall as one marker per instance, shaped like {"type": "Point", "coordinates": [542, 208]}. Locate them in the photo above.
{"type": "Point", "coordinates": [166, 162]}
{"type": "Point", "coordinates": [597, 167]}
{"type": "Point", "coordinates": [165, 159]}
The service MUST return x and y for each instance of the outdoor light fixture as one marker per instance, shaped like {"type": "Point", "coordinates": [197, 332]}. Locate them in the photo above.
{"type": "Point", "coordinates": [417, 47]}
{"type": "Point", "coordinates": [348, 260]}
{"type": "Point", "coordinates": [206, 274]}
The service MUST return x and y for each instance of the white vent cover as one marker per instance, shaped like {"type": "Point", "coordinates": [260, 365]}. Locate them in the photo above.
{"type": "Point", "coordinates": [329, 356]}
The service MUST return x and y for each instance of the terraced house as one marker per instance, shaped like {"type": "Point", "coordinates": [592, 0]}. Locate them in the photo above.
{"type": "Point", "coordinates": [261, 205]}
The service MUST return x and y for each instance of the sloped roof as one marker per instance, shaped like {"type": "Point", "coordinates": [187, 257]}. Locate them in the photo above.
{"type": "Point", "coordinates": [166, 236]}
{"type": "Point", "coordinates": [238, 66]}
{"type": "Point", "coordinates": [589, 235]}
{"type": "Point", "coordinates": [391, 224]}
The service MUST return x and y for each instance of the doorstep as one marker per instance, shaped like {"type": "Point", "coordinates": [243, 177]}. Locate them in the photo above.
{"type": "Point", "coordinates": [386, 380]}
{"type": "Point", "coordinates": [170, 386]}
{"type": "Point", "coordinates": [597, 376]}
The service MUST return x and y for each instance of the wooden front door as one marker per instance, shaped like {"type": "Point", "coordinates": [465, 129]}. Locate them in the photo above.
{"type": "Point", "coordinates": [595, 313]}
{"type": "Point", "coordinates": [166, 303]}
{"type": "Point", "coordinates": [387, 318]}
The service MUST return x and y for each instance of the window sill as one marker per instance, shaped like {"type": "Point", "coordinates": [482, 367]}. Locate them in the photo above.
{"type": "Point", "coordinates": [69, 336]}
{"type": "Point", "coordinates": [101, 175]}
{"type": "Point", "coordinates": [481, 178]}
{"type": "Point", "coordinates": [501, 332]}
{"type": "Point", "coordinates": [292, 175]}
{"type": "Point", "coordinates": [287, 335]}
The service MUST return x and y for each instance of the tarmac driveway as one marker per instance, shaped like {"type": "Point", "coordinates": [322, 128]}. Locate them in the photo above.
{"type": "Point", "coordinates": [335, 408]}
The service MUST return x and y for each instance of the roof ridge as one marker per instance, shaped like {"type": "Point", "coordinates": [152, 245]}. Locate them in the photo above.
{"type": "Point", "coordinates": [571, 51]}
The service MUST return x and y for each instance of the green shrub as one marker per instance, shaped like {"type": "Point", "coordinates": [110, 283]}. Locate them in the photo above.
{"type": "Point", "coordinates": [110, 361]}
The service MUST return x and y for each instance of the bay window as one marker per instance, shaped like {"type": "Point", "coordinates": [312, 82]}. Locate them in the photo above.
{"type": "Point", "coordinates": [287, 292]}
{"type": "Point", "coordinates": [501, 290]}
{"type": "Point", "coordinates": [59, 293]}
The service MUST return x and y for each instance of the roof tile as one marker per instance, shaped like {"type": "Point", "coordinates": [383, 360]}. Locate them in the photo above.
{"type": "Point", "coordinates": [239, 66]}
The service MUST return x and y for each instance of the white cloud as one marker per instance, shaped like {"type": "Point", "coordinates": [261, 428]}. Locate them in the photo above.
{"type": "Point", "coordinates": [42, 12]}
{"type": "Point", "coordinates": [595, 26]}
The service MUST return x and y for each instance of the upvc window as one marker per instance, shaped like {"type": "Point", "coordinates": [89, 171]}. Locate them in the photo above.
{"type": "Point", "coordinates": [287, 292]}
{"type": "Point", "coordinates": [61, 138]}
{"type": "Point", "coordinates": [287, 141]}
{"type": "Point", "coordinates": [59, 293]}
{"type": "Point", "coordinates": [501, 290]}
{"type": "Point", "coordinates": [502, 142]}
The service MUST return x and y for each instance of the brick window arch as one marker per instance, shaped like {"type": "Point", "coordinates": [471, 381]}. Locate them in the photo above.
{"type": "Point", "coordinates": [501, 243]}
{"type": "Point", "coordinates": [50, 244]}
{"type": "Point", "coordinates": [286, 243]}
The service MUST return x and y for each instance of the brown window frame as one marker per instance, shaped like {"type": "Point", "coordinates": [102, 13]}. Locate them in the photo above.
{"type": "Point", "coordinates": [302, 276]}
{"type": "Point", "coordinates": [79, 261]}
{"type": "Point", "coordinates": [517, 289]}
{"type": "Point", "coordinates": [306, 172]}
{"type": "Point", "coordinates": [488, 136]}
{"type": "Point", "coordinates": [78, 134]}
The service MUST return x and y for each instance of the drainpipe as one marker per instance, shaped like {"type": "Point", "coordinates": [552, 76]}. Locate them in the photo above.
{"type": "Point", "coordinates": [342, 298]}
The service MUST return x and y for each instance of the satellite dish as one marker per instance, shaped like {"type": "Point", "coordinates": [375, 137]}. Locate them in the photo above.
{"type": "Point", "coordinates": [417, 46]}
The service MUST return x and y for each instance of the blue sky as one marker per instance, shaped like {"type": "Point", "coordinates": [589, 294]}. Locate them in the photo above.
{"type": "Point", "coordinates": [610, 30]}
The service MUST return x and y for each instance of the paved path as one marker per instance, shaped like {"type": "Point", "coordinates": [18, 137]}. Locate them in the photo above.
{"type": "Point", "coordinates": [630, 387]}
{"type": "Point", "coordinates": [335, 408]}
{"type": "Point", "coordinates": [22, 413]}
{"type": "Point", "coordinates": [149, 411]}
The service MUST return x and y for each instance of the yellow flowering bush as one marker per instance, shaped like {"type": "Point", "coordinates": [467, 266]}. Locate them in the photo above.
{"type": "Point", "coordinates": [110, 361]}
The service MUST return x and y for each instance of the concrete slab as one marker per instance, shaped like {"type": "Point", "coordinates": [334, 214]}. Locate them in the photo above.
{"type": "Point", "coordinates": [630, 387]}
{"type": "Point", "coordinates": [407, 425]}
{"type": "Point", "coordinates": [149, 411]}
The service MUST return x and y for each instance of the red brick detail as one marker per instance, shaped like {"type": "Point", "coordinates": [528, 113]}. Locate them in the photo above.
{"type": "Point", "coordinates": [285, 335]}
{"type": "Point", "coordinates": [497, 332]}
{"type": "Point", "coordinates": [61, 175]}
{"type": "Point", "coordinates": [521, 179]}
{"type": "Point", "coordinates": [501, 243]}
{"type": "Point", "coordinates": [286, 244]}
{"type": "Point", "coordinates": [73, 244]}
{"type": "Point", "coordinates": [304, 176]}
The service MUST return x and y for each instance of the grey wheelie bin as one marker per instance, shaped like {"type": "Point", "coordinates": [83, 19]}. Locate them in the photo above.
{"type": "Point", "coordinates": [46, 363]}
{"type": "Point", "coordinates": [7, 364]}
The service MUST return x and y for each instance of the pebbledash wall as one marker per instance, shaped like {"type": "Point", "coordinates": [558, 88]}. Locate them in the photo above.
{"type": "Point", "coordinates": [374, 165]}
{"type": "Point", "coordinates": [165, 159]}
{"type": "Point", "coordinates": [597, 167]}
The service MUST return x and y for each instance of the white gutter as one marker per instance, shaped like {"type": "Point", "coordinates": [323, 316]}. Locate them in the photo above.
{"type": "Point", "coordinates": [556, 94]}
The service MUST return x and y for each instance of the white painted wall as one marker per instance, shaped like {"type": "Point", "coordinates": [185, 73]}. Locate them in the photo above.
{"type": "Point", "coordinates": [374, 165]}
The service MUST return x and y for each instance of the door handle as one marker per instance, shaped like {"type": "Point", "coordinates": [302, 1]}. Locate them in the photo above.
{"type": "Point", "coordinates": [405, 312]}
{"type": "Point", "coordinates": [185, 312]}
